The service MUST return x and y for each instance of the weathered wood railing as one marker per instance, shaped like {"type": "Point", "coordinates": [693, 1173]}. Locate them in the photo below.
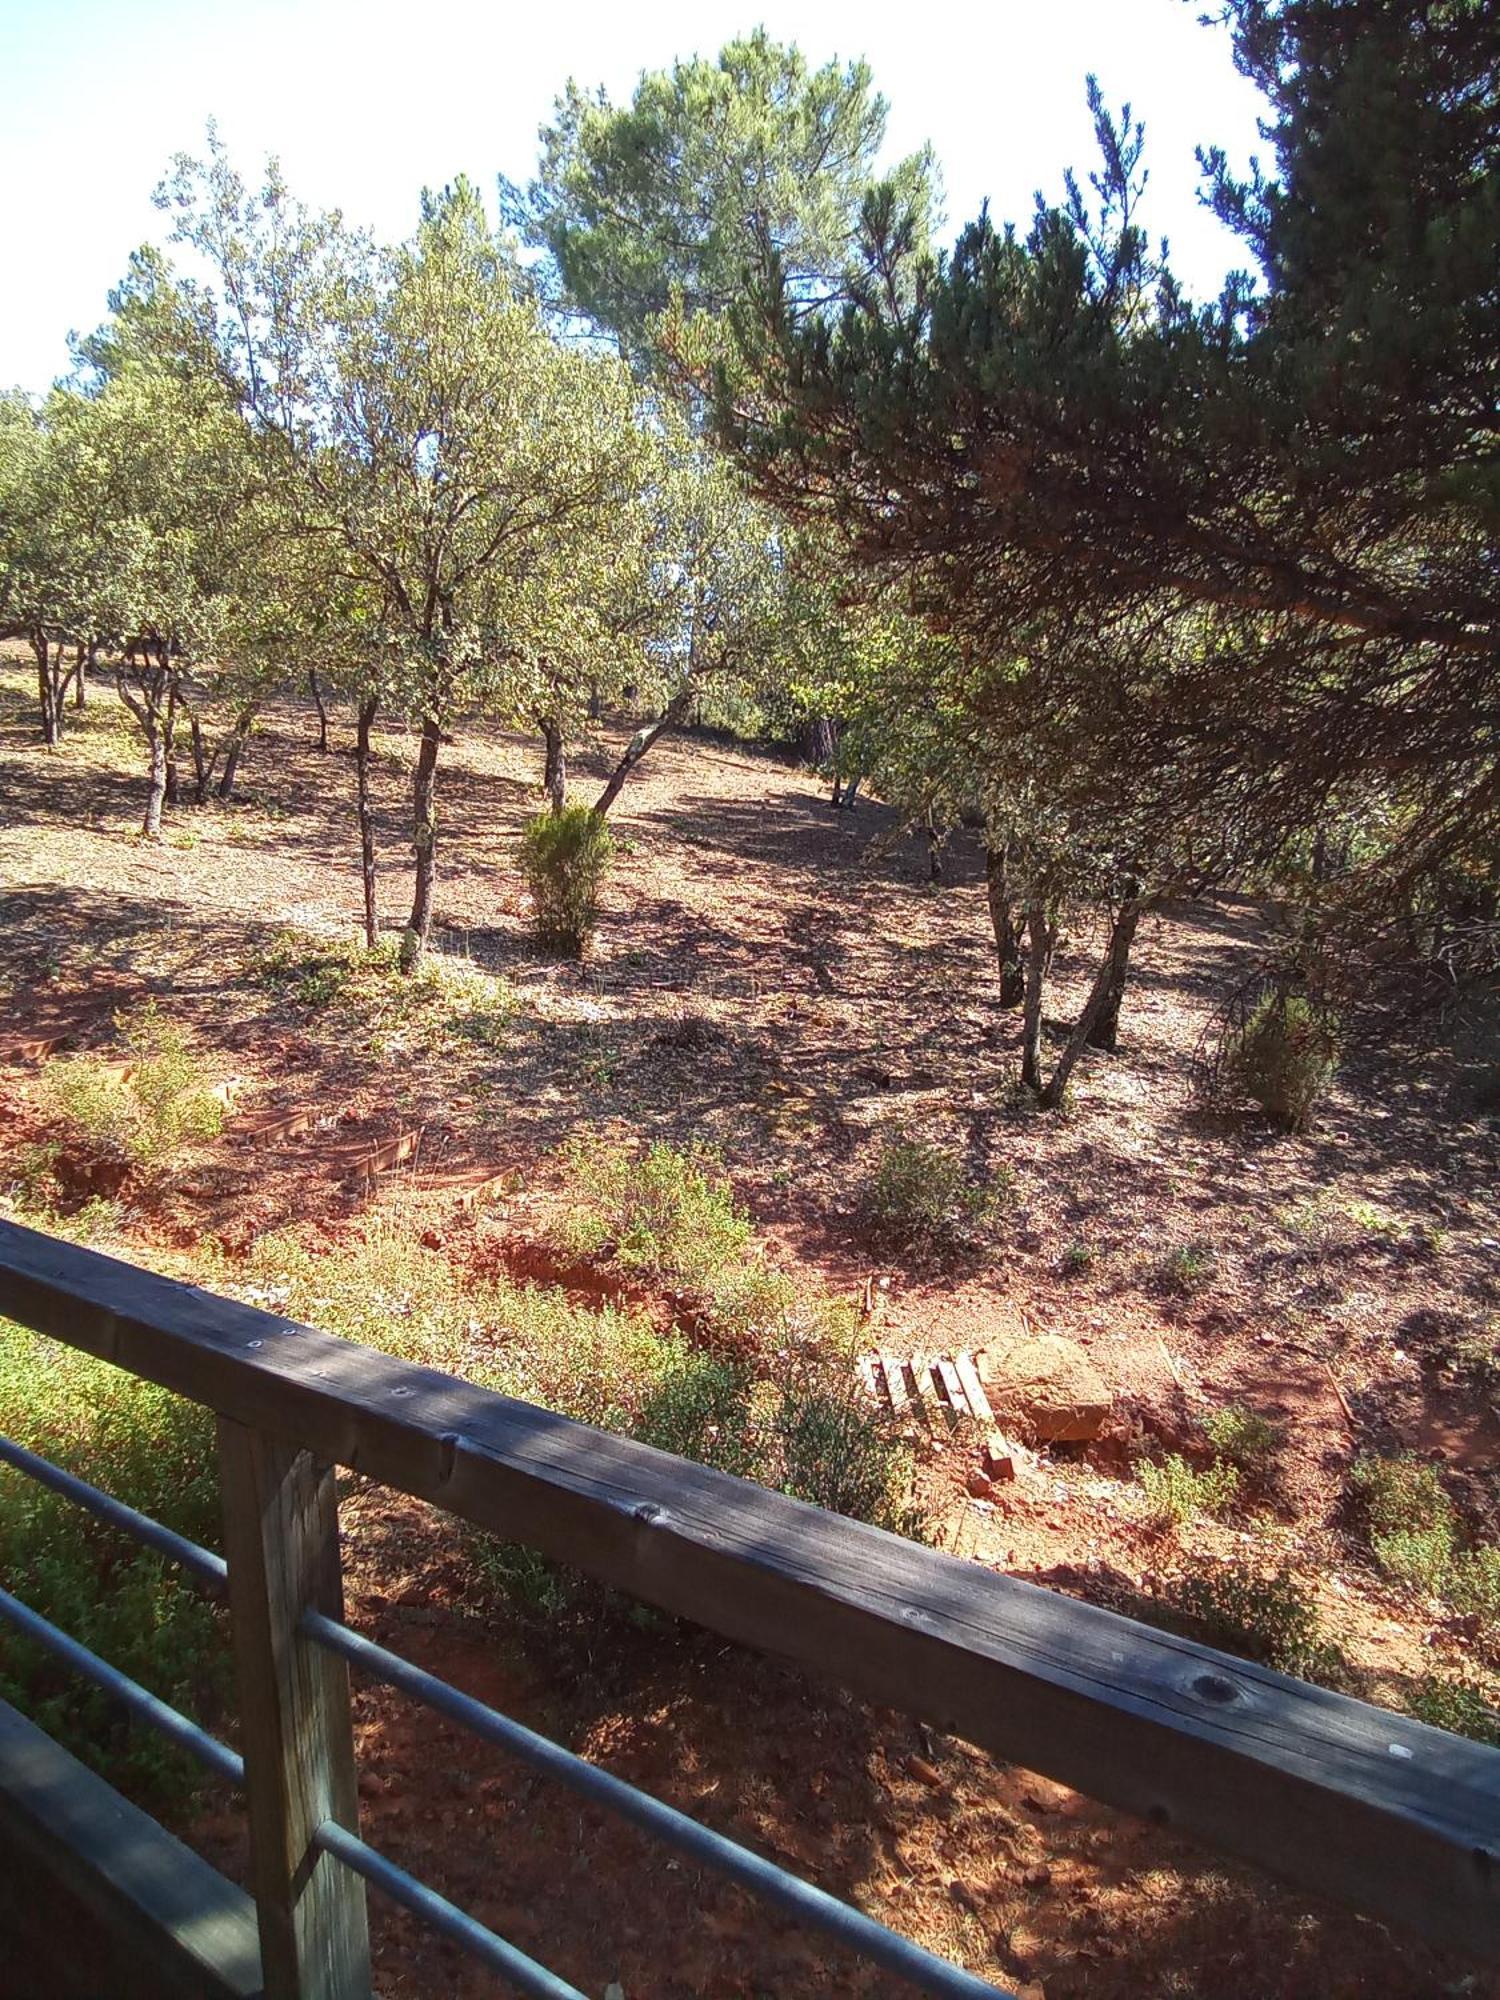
{"type": "Point", "coordinates": [1400, 1820]}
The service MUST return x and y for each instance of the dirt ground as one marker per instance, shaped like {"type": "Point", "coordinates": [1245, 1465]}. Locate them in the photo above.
{"type": "Point", "coordinates": [843, 999]}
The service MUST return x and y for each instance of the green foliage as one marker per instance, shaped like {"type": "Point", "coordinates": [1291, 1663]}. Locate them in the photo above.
{"type": "Point", "coordinates": [1283, 1059]}
{"type": "Point", "coordinates": [1174, 1490]}
{"type": "Point", "coordinates": [155, 1452]}
{"type": "Point", "coordinates": [565, 856]}
{"type": "Point", "coordinates": [386, 1009]}
{"type": "Point", "coordinates": [920, 1201]}
{"type": "Point", "coordinates": [704, 1409]}
{"type": "Point", "coordinates": [162, 1103]}
{"type": "Point", "coordinates": [1246, 1440]}
{"type": "Point", "coordinates": [1078, 1258]}
{"type": "Point", "coordinates": [838, 1453]}
{"type": "Point", "coordinates": [1266, 1615]}
{"type": "Point", "coordinates": [711, 166]}
{"type": "Point", "coordinates": [664, 1213]}
{"type": "Point", "coordinates": [1415, 1537]}
{"type": "Point", "coordinates": [1463, 1704]}
{"type": "Point", "coordinates": [1188, 1267]}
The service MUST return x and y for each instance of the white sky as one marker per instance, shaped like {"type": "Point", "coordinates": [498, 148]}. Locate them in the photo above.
{"type": "Point", "coordinates": [367, 101]}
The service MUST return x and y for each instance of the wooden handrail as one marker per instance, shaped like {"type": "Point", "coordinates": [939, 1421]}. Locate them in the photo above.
{"type": "Point", "coordinates": [1331, 1794]}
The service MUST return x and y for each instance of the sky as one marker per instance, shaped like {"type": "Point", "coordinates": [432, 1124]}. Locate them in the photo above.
{"type": "Point", "coordinates": [367, 101]}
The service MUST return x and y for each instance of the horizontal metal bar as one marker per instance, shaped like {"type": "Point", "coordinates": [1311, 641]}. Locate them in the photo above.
{"type": "Point", "coordinates": [202, 1564]}
{"type": "Point", "coordinates": [810, 1905]}
{"type": "Point", "coordinates": [476, 1938]}
{"type": "Point", "coordinates": [177, 1728]}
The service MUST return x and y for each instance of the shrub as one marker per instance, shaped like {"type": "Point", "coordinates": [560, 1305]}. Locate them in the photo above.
{"type": "Point", "coordinates": [1174, 1491]}
{"type": "Point", "coordinates": [702, 1409]}
{"type": "Point", "coordinates": [667, 1213]}
{"type": "Point", "coordinates": [920, 1201]}
{"type": "Point", "coordinates": [1284, 1058]}
{"type": "Point", "coordinates": [155, 1452]}
{"type": "Point", "coordinates": [1464, 1705]}
{"type": "Point", "coordinates": [1246, 1440]}
{"type": "Point", "coordinates": [564, 856]}
{"type": "Point", "coordinates": [1265, 1615]}
{"type": "Point", "coordinates": [1411, 1522]}
{"type": "Point", "coordinates": [141, 1118]}
{"type": "Point", "coordinates": [1188, 1267]}
{"type": "Point", "coordinates": [1077, 1258]}
{"type": "Point", "coordinates": [838, 1453]}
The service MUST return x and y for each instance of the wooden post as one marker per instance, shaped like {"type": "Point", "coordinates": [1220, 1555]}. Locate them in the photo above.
{"type": "Point", "coordinates": [281, 1541]}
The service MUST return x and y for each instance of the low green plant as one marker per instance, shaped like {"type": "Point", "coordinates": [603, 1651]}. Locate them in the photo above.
{"type": "Point", "coordinates": [1264, 1614]}
{"type": "Point", "coordinates": [140, 1109]}
{"type": "Point", "coordinates": [838, 1453]}
{"type": "Point", "coordinates": [155, 1452]}
{"type": "Point", "coordinates": [1246, 1440]}
{"type": "Point", "coordinates": [1284, 1058]}
{"type": "Point", "coordinates": [1463, 1704]}
{"type": "Point", "coordinates": [1077, 1258]}
{"type": "Point", "coordinates": [385, 1007]}
{"type": "Point", "coordinates": [565, 856]}
{"type": "Point", "coordinates": [1411, 1521]}
{"type": "Point", "coordinates": [921, 1202]}
{"type": "Point", "coordinates": [1174, 1491]}
{"type": "Point", "coordinates": [704, 1409]}
{"type": "Point", "coordinates": [1188, 1267]}
{"type": "Point", "coordinates": [666, 1213]}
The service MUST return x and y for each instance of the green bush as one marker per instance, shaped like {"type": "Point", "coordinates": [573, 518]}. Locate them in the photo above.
{"type": "Point", "coordinates": [1174, 1491]}
{"type": "Point", "coordinates": [1411, 1522]}
{"type": "Point", "coordinates": [1246, 1440]}
{"type": "Point", "coordinates": [155, 1452]}
{"type": "Point", "coordinates": [564, 856]}
{"type": "Point", "coordinates": [1284, 1058]}
{"type": "Point", "coordinates": [838, 1453]}
{"type": "Point", "coordinates": [1188, 1268]}
{"type": "Point", "coordinates": [666, 1213]}
{"type": "Point", "coordinates": [921, 1202]}
{"type": "Point", "coordinates": [144, 1117]}
{"type": "Point", "coordinates": [703, 1409]}
{"type": "Point", "coordinates": [1464, 1705]}
{"type": "Point", "coordinates": [1265, 1615]}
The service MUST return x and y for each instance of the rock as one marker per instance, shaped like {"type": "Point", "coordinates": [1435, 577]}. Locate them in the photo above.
{"type": "Point", "coordinates": [1053, 1385]}
{"type": "Point", "coordinates": [980, 1488]}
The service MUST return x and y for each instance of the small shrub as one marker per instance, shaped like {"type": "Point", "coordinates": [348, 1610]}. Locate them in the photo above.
{"type": "Point", "coordinates": [702, 1409]}
{"type": "Point", "coordinates": [1463, 1705]}
{"type": "Point", "coordinates": [667, 1213]}
{"type": "Point", "coordinates": [564, 856]}
{"type": "Point", "coordinates": [1475, 1585]}
{"type": "Point", "coordinates": [1284, 1058]}
{"type": "Point", "coordinates": [1189, 1267]}
{"type": "Point", "coordinates": [155, 1452]}
{"type": "Point", "coordinates": [145, 1116]}
{"type": "Point", "coordinates": [921, 1202]}
{"type": "Point", "coordinates": [1411, 1522]}
{"type": "Point", "coordinates": [838, 1453]}
{"type": "Point", "coordinates": [1265, 1615]}
{"type": "Point", "coordinates": [1174, 1491]}
{"type": "Point", "coordinates": [1246, 1440]}
{"type": "Point", "coordinates": [1078, 1258]}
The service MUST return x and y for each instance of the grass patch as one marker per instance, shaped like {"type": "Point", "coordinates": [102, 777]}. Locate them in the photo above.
{"type": "Point", "coordinates": [383, 1009]}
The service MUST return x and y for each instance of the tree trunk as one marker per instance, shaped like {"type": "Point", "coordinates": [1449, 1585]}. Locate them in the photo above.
{"type": "Point", "coordinates": [317, 695]}
{"type": "Point", "coordinates": [1110, 979]}
{"type": "Point", "coordinates": [1105, 1032]}
{"type": "Point", "coordinates": [81, 673]}
{"type": "Point", "coordinates": [156, 779]}
{"type": "Point", "coordinates": [1038, 952]}
{"type": "Point", "coordinates": [637, 747]}
{"type": "Point", "coordinates": [555, 773]}
{"type": "Point", "coordinates": [934, 846]}
{"type": "Point", "coordinates": [239, 736]}
{"type": "Point", "coordinates": [424, 845]}
{"type": "Point", "coordinates": [1003, 921]}
{"type": "Point", "coordinates": [366, 723]}
{"type": "Point", "coordinates": [48, 689]}
{"type": "Point", "coordinates": [203, 764]}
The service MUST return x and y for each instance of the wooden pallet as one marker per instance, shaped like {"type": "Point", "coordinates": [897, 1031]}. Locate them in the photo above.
{"type": "Point", "coordinates": [941, 1390]}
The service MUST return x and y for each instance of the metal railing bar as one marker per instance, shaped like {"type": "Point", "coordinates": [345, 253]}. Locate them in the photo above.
{"type": "Point", "coordinates": [202, 1564]}
{"type": "Point", "coordinates": [476, 1938]}
{"type": "Point", "coordinates": [177, 1728]}
{"type": "Point", "coordinates": [810, 1905]}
